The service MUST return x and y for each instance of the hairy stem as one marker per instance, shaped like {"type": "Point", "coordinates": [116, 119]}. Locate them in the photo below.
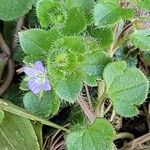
{"type": "Point", "coordinates": [87, 111]}
{"type": "Point", "coordinates": [88, 96]}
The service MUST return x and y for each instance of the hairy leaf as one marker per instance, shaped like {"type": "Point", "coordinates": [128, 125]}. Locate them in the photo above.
{"type": "Point", "coordinates": [141, 39]}
{"type": "Point", "coordinates": [17, 133]}
{"type": "Point", "coordinates": [45, 11]}
{"type": "Point", "coordinates": [37, 41]}
{"type": "Point", "coordinates": [95, 63]}
{"type": "Point", "coordinates": [69, 88]}
{"type": "Point", "coordinates": [13, 9]}
{"type": "Point", "coordinates": [103, 35]}
{"type": "Point", "coordinates": [75, 23]}
{"type": "Point", "coordinates": [65, 55]}
{"type": "Point", "coordinates": [85, 5]}
{"type": "Point", "coordinates": [99, 135]}
{"type": "Point", "coordinates": [126, 87]}
{"type": "Point", "coordinates": [108, 14]}
{"type": "Point", "coordinates": [43, 106]}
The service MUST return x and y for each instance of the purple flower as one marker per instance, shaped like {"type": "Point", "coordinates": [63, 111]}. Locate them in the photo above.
{"type": "Point", "coordinates": [38, 81]}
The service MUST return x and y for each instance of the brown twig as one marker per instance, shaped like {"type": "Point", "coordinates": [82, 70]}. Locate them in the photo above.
{"type": "Point", "coordinates": [147, 114]}
{"type": "Point", "coordinates": [136, 142]}
{"type": "Point", "coordinates": [19, 26]}
{"type": "Point", "coordinates": [10, 65]}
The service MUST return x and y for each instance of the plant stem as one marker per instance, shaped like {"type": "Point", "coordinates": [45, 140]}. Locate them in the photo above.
{"type": "Point", "coordinates": [88, 96]}
{"type": "Point", "coordinates": [124, 135]}
{"type": "Point", "coordinates": [101, 97]}
{"type": "Point", "coordinates": [88, 112]}
{"type": "Point", "coordinates": [10, 65]}
{"type": "Point", "coordinates": [21, 112]}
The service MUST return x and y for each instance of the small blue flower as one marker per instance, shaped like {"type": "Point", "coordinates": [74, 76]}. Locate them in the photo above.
{"type": "Point", "coordinates": [38, 81]}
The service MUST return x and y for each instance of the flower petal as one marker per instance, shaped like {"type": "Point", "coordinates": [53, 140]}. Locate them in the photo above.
{"type": "Point", "coordinates": [31, 72]}
{"type": "Point", "coordinates": [35, 85]}
{"type": "Point", "coordinates": [39, 66]}
{"type": "Point", "coordinates": [46, 86]}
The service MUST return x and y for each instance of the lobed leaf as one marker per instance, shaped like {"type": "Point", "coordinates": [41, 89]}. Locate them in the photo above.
{"type": "Point", "coordinates": [126, 87]}
{"type": "Point", "coordinates": [99, 135]}
{"type": "Point", "coordinates": [108, 14]}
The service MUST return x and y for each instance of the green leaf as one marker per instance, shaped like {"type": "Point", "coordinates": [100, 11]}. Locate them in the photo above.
{"type": "Point", "coordinates": [110, 1]}
{"type": "Point", "coordinates": [77, 117]}
{"type": "Point", "coordinates": [126, 87]}
{"type": "Point", "coordinates": [1, 116]}
{"type": "Point", "coordinates": [43, 8]}
{"type": "Point", "coordinates": [13, 9]}
{"type": "Point", "coordinates": [103, 35]}
{"type": "Point", "coordinates": [75, 23]}
{"type": "Point", "coordinates": [47, 104]}
{"type": "Point", "coordinates": [99, 135]}
{"type": "Point", "coordinates": [37, 41]}
{"type": "Point", "coordinates": [141, 39]}
{"type": "Point", "coordinates": [89, 80]}
{"type": "Point", "coordinates": [95, 63]}
{"type": "Point", "coordinates": [85, 5]}
{"type": "Point", "coordinates": [69, 88]}
{"type": "Point", "coordinates": [17, 133]}
{"type": "Point", "coordinates": [50, 12]}
{"type": "Point", "coordinates": [65, 55]}
{"type": "Point", "coordinates": [108, 14]}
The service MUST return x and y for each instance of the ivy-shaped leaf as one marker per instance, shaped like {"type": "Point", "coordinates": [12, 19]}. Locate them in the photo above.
{"type": "Point", "coordinates": [107, 14]}
{"type": "Point", "coordinates": [17, 133]}
{"type": "Point", "coordinates": [141, 39]}
{"type": "Point", "coordinates": [75, 23]}
{"type": "Point", "coordinates": [126, 87]}
{"type": "Point", "coordinates": [13, 9]}
{"type": "Point", "coordinates": [43, 106]}
{"type": "Point", "coordinates": [37, 41]}
{"type": "Point", "coordinates": [99, 135]}
{"type": "Point", "coordinates": [69, 88]}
